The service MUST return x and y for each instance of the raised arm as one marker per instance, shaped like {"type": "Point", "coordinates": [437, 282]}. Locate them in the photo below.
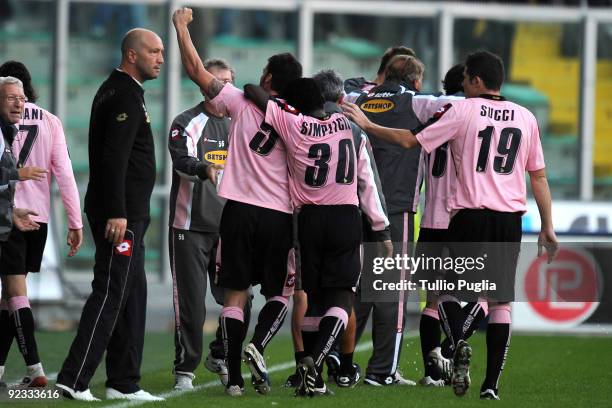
{"type": "Point", "coordinates": [401, 137]}
{"type": "Point", "coordinates": [547, 238]}
{"type": "Point", "coordinates": [209, 85]}
{"type": "Point", "coordinates": [257, 95]}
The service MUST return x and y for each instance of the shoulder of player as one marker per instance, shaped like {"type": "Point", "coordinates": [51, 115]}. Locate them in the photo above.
{"type": "Point", "coordinates": [436, 97]}
{"type": "Point", "coordinates": [528, 114]}
{"type": "Point", "coordinates": [186, 116]}
{"type": "Point", "coordinates": [283, 106]}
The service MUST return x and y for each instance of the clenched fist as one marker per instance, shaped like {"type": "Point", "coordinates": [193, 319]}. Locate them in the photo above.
{"type": "Point", "coordinates": [182, 16]}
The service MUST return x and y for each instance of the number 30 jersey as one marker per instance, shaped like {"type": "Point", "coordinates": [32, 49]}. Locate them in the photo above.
{"type": "Point", "coordinates": [256, 166]}
{"type": "Point", "coordinates": [325, 165]}
{"type": "Point", "coordinates": [492, 142]}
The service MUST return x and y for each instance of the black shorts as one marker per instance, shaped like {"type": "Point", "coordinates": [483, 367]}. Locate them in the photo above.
{"type": "Point", "coordinates": [433, 243]}
{"type": "Point", "coordinates": [495, 238]}
{"type": "Point", "coordinates": [255, 249]}
{"type": "Point", "coordinates": [330, 246]}
{"type": "Point", "coordinates": [23, 251]}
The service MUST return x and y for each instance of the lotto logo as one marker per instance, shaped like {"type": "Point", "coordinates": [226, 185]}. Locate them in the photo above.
{"type": "Point", "coordinates": [290, 281]}
{"type": "Point", "coordinates": [124, 248]}
{"type": "Point", "coordinates": [175, 134]}
{"type": "Point", "coordinates": [565, 291]}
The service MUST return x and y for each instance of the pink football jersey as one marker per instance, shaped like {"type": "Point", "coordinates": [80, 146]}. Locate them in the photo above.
{"type": "Point", "coordinates": [438, 167]}
{"type": "Point", "coordinates": [492, 142]}
{"type": "Point", "coordinates": [256, 166]}
{"type": "Point", "coordinates": [41, 143]}
{"type": "Point", "coordinates": [322, 158]}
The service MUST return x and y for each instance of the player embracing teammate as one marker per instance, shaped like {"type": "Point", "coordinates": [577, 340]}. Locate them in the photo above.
{"type": "Point", "coordinates": [492, 143]}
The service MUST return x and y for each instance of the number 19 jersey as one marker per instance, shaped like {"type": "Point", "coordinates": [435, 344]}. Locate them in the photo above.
{"type": "Point", "coordinates": [321, 155]}
{"type": "Point", "coordinates": [492, 142]}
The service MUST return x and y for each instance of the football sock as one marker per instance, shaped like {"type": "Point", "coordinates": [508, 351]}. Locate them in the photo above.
{"type": "Point", "coordinates": [346, 362]}
{"type": "Point", "coordinates": [452, 318]}
{"type": "Point", "coordinates": [331, 328]}
{"type": "Point", "coordinates": [475, 313]}
{"type": "Point", "coordinates": [23, 319]}
{"type": "Point", "coordinates": [498, 342]}
{"type": "Point", "coordinates": [429, 331]}
{"type": "Point", "coordinates": [270, 319]}
{"type": "Point", "coordinates": [6, 333]}
{"type": "Point", "coordinates": [232, 329]}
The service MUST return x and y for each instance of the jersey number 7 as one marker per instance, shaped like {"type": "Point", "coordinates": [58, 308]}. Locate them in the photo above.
{"type": "Point", "coordinates": [32, 134]}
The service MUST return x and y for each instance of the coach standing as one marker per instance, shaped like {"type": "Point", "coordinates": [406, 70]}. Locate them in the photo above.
{"type": "Point", "coordinates": [122, 176]}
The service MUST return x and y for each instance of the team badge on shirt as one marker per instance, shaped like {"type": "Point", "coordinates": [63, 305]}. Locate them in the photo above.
{"type": "Point", "coordinates": [121, 117]}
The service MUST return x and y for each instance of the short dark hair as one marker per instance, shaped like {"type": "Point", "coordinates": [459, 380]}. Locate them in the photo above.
{"type": "Point", "coordinates": [453, 80]}
{"type": "Point", "coordinates": [284, 69]}
{"type": "Point", "coordinates": [392, 52]}
{"type": "Point", "coordinates": [304, 95]}
{"type": "Point", "coordinates": [488, 67]}
{"type": "Point", "coordinates": [330, 84]}
{"type": "Point", "coordinates": [18, 70]}
{"type": "Point", "coordinates": [404, 68]}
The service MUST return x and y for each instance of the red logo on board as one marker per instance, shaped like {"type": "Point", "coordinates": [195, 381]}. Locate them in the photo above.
{"type": "Point", "coordinates": [565, 291]}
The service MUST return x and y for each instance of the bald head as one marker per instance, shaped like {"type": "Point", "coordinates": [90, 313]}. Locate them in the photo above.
{"type": "Point", "coordinates": [142, 54]}
{"type": "Point", "coordinates": [135, 38]}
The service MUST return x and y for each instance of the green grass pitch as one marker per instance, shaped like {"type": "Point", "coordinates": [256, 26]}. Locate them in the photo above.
{"type": "Point", "coordinates": [541, 371]}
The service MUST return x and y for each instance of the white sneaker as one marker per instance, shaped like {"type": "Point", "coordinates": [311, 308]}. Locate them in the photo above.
{"type": "Point", "coordinates": [430, 382]}
{"type": "Point", "coordinates": [399, 380]}
{"type": "Point", "coordinates": [234, 391]}
{"type": "Point", "coordinates": [183, 381]}
{"type": "Point", "coordinates": [217, 366]}
{"type": "Point", "coordinates": [69, 393]}
{"type": "Point", "coordinates": [140, 395]}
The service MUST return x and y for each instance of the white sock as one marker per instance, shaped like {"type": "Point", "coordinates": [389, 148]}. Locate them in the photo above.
{"type": "Point", "coordinates": [35, 370]}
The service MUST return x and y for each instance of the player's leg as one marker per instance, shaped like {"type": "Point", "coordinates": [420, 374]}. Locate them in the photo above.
{"type": "Point", "coordinates": [300, 304]}
{"type": "Point", "coordinates": [22, 253]}
{"type": "Point", "coordinates": [507, 243]}
{"type": "Point", "coordinates": [349, 372]}
{"type": "Point", "coordinates": [189, 257]}
{"type": "Point", "coordinates": [275, 262]}
{"type": "Point", "coordinates": [125, 347]}
{"type": "Point", "coordinates": [389, 318]}
{"type": "Point", "coordinates": [22, 328]}
{"type": "Point", "coordinates": [333, 269]}
{"type": "Point", "coordinates": [431, 245]}
{"type": "Point", "coordinates": [235, 275]}
{"type": "Point", "coordinates": [215, 360]}
{"type": "Point", "coordinates": [6, 333]}
{"type": "Point", "coordinates": [498, 342]}
{"type": "Point", "coordinates": [429, 333]}
{"type": "Point", "coordinates": [99, 314]}
{"type": "Point", "coordinates": [474, 313]}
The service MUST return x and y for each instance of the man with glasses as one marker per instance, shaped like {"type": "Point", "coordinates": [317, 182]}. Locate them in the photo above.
{"type": "Point", "coordinates": [15, 313]}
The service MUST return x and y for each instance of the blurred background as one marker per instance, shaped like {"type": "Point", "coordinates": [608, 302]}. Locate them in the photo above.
{"type": "Point", "coordinates": [558, 57]}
